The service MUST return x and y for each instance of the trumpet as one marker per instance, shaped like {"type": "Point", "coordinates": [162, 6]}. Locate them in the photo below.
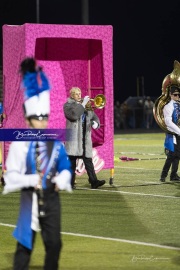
{"type": "Point", "coordinates": [99, 102]}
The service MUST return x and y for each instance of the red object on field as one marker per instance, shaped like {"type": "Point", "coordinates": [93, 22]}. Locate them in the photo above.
{"type": "Point", "coordinates": [128, 158]}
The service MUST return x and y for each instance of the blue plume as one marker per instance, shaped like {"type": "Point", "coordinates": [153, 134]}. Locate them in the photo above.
{"type": "Point", "coordinates": [31, 85]}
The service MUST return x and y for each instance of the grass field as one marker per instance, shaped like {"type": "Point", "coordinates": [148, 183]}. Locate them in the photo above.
{"type": "Point", "coordinates": [133, 224]}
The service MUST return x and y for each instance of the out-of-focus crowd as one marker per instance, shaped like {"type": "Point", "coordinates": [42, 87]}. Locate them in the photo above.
{"type": "Point", "coordinates": [138, 116]}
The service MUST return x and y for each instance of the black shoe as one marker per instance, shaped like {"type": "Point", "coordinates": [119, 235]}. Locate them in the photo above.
{"type": "Point", "coordinates": [2, 181]}
{"type": "Point", "coordinates": [176, 178]}
{"type": "Point", "coordinates": [97, 184]}
{"type": "Point", "coordinates": [162, 179]}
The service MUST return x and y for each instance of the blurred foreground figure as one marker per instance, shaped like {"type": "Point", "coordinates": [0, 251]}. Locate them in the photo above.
{"type": "Point", "coordinates": [38, 169]}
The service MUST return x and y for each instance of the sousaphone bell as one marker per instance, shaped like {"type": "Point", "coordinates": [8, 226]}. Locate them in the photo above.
{"type": "Point", "coordinates": [171, 79]}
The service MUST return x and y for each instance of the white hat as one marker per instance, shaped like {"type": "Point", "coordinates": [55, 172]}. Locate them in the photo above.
{"type": "Point", "coordinates": [38, 105]}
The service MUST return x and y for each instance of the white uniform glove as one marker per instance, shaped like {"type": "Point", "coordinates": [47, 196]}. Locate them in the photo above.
{"type": "Point", "coordinates": [94, 125]}
{"type": "Point", "coordinates": [85, 101]}
{"type": "Point", "coordinates": [63, 181]}
{"type": "Point", "coordinates": [15, 181]}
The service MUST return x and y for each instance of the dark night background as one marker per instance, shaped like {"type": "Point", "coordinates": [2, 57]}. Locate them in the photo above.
{"type": "Point", "coordinates": [145, 35]}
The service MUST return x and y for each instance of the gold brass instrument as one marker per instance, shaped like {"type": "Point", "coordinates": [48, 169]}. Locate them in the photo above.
{"type": "Point", "coordinates": [171, 79]}
{"type": "Point", "coordinates": [99, 102]}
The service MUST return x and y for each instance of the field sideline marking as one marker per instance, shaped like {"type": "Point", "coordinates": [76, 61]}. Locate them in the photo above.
{"type": "Point", "coordinates": [135, 168]}
{"type": "Point", "coordinates": [129, 193]}
{"type": "Point", "coordinates": [109, 239]}
{"type": "Point", "coordinates": [122, 240]}
{"type": "Point", "coordinates": [142, 194]}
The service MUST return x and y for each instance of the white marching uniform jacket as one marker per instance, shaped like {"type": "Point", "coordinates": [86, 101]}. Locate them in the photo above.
{"type": "Point", "coordinates": [21, 175]}
{"type": "Point", "coordinates": [171, 112]}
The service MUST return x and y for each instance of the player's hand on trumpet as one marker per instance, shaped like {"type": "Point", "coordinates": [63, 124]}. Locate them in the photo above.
{"type": "Point", "coordinates": [85, 101]}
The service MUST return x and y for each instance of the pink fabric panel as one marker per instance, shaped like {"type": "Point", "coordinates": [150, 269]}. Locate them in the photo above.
{"type": "Point", "coordinates": [97, 67]}
{"type": "Point", "coordinates": [61, 49]}
{"type": "Point", "coordinates": [13, 51]}
{"type": "Point", "coordinates": [58, 93]}
{"type": "Point", "coordinates": [65, 68]}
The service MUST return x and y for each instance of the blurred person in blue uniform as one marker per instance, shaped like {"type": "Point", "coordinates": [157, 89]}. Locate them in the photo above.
{"type": "Point", "coordinates": [39, 170]}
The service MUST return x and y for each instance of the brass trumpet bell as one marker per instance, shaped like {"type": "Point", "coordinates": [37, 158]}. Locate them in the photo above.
{"type": "Point", "coordinates": [99, 101]}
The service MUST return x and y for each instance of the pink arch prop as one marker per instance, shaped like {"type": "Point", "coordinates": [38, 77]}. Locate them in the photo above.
{"type": "Point", "coordinates": [71, 55]}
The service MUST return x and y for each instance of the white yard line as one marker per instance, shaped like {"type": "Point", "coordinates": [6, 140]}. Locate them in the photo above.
{"type": "Point", "coordinates": [123, 240]}
{"type": "Point", "coordinates": [130, 193]}
{"type": "Point", "coordinates": [117, 239]}
{"type": "Point", "coordinates": [142, 194]}
{"type": "Point", "coordinates": [135, 168]}
{"type": "Point", "coordinates": [109, 239]}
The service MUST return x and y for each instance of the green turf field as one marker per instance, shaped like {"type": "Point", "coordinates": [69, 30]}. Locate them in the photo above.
{"type": "Point", "coordinates": [133, 224]}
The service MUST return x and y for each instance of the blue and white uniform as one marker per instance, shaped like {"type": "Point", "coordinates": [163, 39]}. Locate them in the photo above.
{"type": "Point", "coordinates": [21, 175]}
{"type": "Point", "coordinates": [171, 113]}
{"type": "Point", "coordinates": [38, 170]}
